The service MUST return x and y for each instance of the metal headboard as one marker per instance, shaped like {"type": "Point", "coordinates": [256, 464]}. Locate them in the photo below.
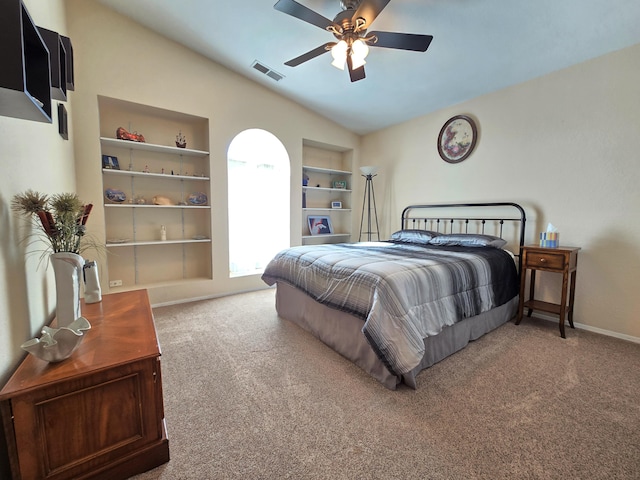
{"type": "Point", "coordinates": [419, 217]}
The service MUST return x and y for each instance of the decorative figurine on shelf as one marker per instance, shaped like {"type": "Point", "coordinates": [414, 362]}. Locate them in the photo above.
{"type": "Point", "coordinates": [122, 134]}
{"type": "Point", "coordinates": [146, 169]}
{"type": "Point", "coordinates": [162, 200]}
{"type": "Point", "coordinates": [181, 140]}
{"type": "Point", "coordinates": [305, 179]}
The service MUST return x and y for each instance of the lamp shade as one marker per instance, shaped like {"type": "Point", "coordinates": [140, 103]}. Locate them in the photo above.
{"type": "Point", "coordinates": [369, 170]}
{"type": "Point", "coordinates": [359, 51]}
{"type": "Point", "coordinates": [339, 54]}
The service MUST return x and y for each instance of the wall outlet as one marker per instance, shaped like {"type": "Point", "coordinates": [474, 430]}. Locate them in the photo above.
{"type": "Point", "coordinates": [115, 283]}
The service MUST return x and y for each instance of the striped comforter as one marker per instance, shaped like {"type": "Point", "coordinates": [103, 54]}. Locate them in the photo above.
{"type": "Point", "coordinates": [404, 293]}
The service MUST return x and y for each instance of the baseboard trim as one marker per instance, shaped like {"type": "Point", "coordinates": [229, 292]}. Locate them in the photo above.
{"type": "Point", "coordinates": [541, 316]}
{"type": "Point", "coordinates": [589, 328]}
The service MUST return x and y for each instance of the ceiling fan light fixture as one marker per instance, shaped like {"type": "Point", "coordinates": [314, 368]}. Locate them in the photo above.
{"type": "Point", "coordinates": [350, 27]}
{"type": "Point", "coordinates": [339, 54]}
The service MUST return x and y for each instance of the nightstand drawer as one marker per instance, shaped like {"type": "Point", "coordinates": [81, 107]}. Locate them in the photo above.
{"type": "Point", "coordinates": [547, 260]}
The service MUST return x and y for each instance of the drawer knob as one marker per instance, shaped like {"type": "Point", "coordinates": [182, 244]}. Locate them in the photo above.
{"type": "Point", "coordinates": [542, 260]}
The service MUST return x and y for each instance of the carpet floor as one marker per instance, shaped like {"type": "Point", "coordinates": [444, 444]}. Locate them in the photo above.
{"type": "Point", "coordinates": [251, 396]}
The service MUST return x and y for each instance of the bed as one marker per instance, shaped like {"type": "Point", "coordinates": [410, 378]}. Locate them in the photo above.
{"type": "Point", "coordinates": [448, 276]}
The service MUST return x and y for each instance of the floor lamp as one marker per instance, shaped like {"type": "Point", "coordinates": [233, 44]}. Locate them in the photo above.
{"type": "Point", "coordinates": [369, 205]}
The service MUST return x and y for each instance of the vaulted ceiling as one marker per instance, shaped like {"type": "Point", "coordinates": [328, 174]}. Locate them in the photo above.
{"type": "Point", "coordinates": [479, 46]}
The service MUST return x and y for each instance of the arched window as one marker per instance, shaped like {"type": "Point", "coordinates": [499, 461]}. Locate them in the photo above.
{"type": "Point", "coordinates": [259, 201]}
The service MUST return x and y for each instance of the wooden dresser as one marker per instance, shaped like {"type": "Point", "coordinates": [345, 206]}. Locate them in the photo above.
{"type": "Point", "coordinates": [99, 413]}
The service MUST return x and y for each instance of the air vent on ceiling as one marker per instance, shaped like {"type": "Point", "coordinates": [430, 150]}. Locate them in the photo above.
{"type": "Point", "coordinates": [262, 68]}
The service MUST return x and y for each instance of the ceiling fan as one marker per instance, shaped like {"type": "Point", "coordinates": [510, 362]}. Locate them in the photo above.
{"type": "Point", "coordinates": [350, 29]}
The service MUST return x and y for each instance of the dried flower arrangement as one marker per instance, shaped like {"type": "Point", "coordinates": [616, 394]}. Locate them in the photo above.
{"type": "Point", "coordinates": [61, 218]}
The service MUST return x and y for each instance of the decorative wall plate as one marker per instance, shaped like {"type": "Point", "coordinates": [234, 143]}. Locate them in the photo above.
{"type": "Point", "coordinates": [198, 198]}
{"type": "Point", "coordinates": [116, 196]}
{"type": "Point", "coordinates": [457, 139]}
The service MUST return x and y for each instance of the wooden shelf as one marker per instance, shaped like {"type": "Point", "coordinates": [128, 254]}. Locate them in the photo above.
{"type": "Point", "coordinates": [150, 147]}
{"type": "Point", "coordinates": [110, 171]}
{"type": "Point", "coordinates": [326, 189]}
{"type": "Point", "coordinates": [544, 306]}
{"type": "Point", "coordinates": [327, 235]}
{"type": "Point", "coordinates": [156, 242]}
{"type": "Point", "coordinates": [327, 171]}
{"type": "Point", "coordinates": [325, 209]}
{"type": "Point", "coordinates": [135, 205]}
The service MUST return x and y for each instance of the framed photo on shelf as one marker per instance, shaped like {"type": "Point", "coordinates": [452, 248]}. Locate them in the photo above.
{"type": "Point", "coordinates": [110, 162]}
{"type": "Point", "coordinates": [336, 204]}
{"type": "Point", "coordinates": [341, 184]}
{"type": "Point", "coordinates": [319, 225]}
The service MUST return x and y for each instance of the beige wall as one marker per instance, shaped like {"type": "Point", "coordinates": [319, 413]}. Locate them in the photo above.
{"type": "Point", "coordinates": [564, 147]}
{"type": "Point", "coordinates": [32, 156]}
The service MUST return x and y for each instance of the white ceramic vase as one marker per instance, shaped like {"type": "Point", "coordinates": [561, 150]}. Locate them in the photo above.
{"type": "Point", "coordinates": [67, 268]}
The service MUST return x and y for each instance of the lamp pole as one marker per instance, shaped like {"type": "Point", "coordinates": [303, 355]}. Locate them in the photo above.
{"type": "Point", "coordinates": [369, 204]}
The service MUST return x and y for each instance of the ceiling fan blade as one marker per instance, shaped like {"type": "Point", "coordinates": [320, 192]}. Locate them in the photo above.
{"type": "Point", "coordinates": [402, 41]}
{"type": "Point", "coordinates": [310, 54]}
{"type": "Point", "coordinates": [369, 10]}
{"type": "Point", "coordinates": [293, 8]}
{"type": "Point", "coordinates": [355, 73]}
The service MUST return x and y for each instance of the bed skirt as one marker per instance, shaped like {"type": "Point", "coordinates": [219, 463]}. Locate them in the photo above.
{"type": "Point", "coordinates": [343, 333]}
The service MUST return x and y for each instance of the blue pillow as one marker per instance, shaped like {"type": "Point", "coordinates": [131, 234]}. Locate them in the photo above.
{"type": "Point", "coordinates": [417, 237]}
{"type": "Point", "coordinates": [468, 240]}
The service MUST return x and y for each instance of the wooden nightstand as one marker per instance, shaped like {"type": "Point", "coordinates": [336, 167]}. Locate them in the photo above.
{"type": "Point", "coordinates": [562, 260]}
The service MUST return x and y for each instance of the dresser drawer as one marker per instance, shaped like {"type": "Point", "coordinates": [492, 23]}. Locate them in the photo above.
{"type": "Point", "coordinates": [547, 260]}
